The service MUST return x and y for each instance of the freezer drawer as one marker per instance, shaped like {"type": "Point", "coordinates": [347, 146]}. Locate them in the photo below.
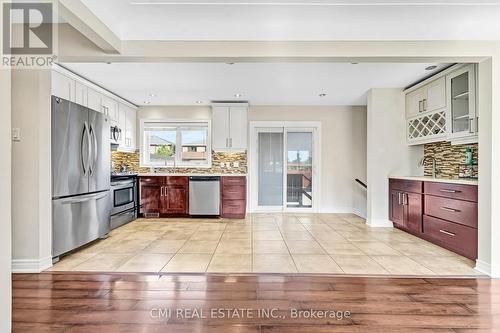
{"type": "Point", "coordinates": [79, 220]}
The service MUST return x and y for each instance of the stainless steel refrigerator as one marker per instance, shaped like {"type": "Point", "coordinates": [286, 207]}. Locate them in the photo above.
{"type": "Point", "coordinates": [81, 204]}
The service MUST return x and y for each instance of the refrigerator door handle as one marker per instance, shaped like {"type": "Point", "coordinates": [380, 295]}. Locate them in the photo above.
{"type": "Point", "coordinates": [84, 198]}
{"type": "Point", "coordinates": [85, 135]}
{"type": "Point", "coordinates": [93, 138]}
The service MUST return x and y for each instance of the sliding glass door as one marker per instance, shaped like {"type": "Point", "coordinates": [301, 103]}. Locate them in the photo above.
{"type": "Point", "coordinates": [299, 168]}
{"type": "Point", "coordinates": [285, 168]}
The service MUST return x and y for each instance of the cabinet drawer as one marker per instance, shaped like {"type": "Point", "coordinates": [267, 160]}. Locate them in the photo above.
{"type": "Point", "coordinates": [414, 186]}
{"type": "Point", "coordinates": [176, 180]}
{"type": "Point", "coordinates": [151, 180]}
{"type": "Point", "coordinates": [454, 191]}
{"type": "Point", "coordinates": [233, 192]}
{"type": "Point", "coordinates": [455, 237]}
{"type": "Point", "coordinates": [232, 180]}
{"type": "Point", "coordinates": [458, 211]}
{"type": "Point", "coordinates": [233, 208]}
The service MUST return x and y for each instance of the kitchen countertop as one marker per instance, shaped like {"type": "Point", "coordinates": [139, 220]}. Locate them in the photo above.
{"type": "Point", "coordinates": [165, 174]}
{"type": "Point", "coordinates": [438, 180]}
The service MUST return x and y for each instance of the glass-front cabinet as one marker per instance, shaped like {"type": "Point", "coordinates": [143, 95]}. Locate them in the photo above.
{"type": "Point", "coordinates": [462, 122]}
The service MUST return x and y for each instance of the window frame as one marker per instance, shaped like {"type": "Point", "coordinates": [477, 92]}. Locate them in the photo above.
{"type": "Point", "coordinates": [178, 149]}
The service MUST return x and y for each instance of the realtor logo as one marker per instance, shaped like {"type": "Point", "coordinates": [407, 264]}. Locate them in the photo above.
{"type": "Point", "coordinates": [27, 34]}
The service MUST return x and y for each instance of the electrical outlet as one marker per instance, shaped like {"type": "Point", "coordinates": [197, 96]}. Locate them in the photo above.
{"type": "Point", "coordinates": [222, 164]}
{"type": "Point", "coordinates": [16, 134]}
{"type": "Point", "coordinates": [236, 164]}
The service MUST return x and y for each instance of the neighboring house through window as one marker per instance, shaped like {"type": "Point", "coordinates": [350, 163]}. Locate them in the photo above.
{"type": "Point", "coordinates": [175, 144]}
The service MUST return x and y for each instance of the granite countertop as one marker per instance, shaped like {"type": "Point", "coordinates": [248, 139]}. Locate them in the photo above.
{"type": "Point", "coordinates": [163, 174]}
{"type": "Point", "coordinates": [438, 180]}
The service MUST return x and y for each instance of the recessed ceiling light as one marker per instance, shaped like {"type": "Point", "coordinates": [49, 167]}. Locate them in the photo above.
{"type": "Point", "coordinates": [199, 102]}
{"type": "Point", "coordinates": [230, 63]}
{"type": "Point", "coordinates": [237, 95]}
{"type": "Point", "coordinates": [147, 102]}
{"type": "Point", "coordinates": [109, 63]}
{"type": "Point", "coordinates": [430, 68]}
{"type": "Point", "coordinates": [322, 95]}
{"type": "Point", "coordinates": [354, 63]}
{"type": "Point", "coordinates": [152, 95]}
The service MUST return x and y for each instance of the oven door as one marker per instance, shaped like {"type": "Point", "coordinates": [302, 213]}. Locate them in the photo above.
{"type": "Point", "coordinates": [124, 196]}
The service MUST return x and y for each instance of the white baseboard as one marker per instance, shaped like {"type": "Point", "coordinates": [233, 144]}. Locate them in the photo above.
{"type": "Point", "coordinates": [379, 223]}
{"type": "Point", "coordinates": [359, 213]}
{"type": "Point", "coordinates": [483, 267]}
{"type": "Point", "coordinates": [31, 265]}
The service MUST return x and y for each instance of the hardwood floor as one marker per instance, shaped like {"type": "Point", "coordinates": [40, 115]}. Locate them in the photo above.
{"type": "Point", "coordinates": [93, 302]}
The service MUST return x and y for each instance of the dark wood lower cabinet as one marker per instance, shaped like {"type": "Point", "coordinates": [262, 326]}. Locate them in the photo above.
{"type": "Point", "coordinates": [163, 196]}
{"type": "Point", "coordinates": [233, 197]}
{"type": "Point", "coordinates": [444, 214]}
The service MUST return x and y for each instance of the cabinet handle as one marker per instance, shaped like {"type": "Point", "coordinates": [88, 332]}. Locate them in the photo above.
{"type": "Point", "coordinates": [449, 191]}
{"type": "Point", "coordinates": [399, 198]}
{"type": "Point", "coordinates": [227, 142]}
{"type": "Point", "coordinates": [424, 104]}
{"type": "Point", "coordinates": [419, 106]}
{"type": "Point", "coordinates": [405, 199]}
{"type": "Point", "coordinates": [446, 232]}
{"type": "Point", "coordinates": [450, 210]}
{"type": "Point", "coordinates": [471, 122]}
{"type": "Point", "coordinates": [231, 142]}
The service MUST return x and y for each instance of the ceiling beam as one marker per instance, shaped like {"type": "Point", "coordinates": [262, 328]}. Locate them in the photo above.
{"type": "Point", "coordinates": [75, 13]}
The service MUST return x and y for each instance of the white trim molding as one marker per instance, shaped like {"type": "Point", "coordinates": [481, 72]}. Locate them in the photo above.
{"type": "Point", "coordinates": [483, 267]}
{"type": "Point", "coordinates": [31, 265]}
{"type": "Point", "coordinates": [379, 223]}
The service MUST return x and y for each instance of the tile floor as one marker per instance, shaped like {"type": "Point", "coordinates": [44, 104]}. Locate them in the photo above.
{"type": "Point", "coordinates": [277, 243]}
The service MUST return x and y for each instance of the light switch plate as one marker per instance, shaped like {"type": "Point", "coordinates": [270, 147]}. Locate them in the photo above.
{"type": "Point", "coordinates": [16, 134]}
{"type": "Point", "coordinates": [222, 164]}
{"type": "Point", "coordinates": [236, 164]}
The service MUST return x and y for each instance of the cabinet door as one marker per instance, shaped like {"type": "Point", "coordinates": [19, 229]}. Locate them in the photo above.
{"type": "Point", "coordinates": [436, 95]}
{"type": "Point", "coordinates": [81, 93]}
{"type": "Point", "coordinates": [130, 129]}
{"type": "Point", "coordinates": [110, 107]}
{"type": "Point", "coordinates": [63, 86]}
{"type": "Point", "coordinates": [461, 91]}
{"type": "Point", "coordinates": [94, 100]}
{"type": "Point", "coordinates": [151, 198]}
{"type": "Point", "coordinates": [238, 124]}
{"type": "Point", "coordinates": [175, 200]}
{"type": "Point", "coordinates": [396, 208]}
{"type": "Point", "coordinates": [415, 102]}
{"type": "Point", "coordinates": [413, 212]}
{"type": "Point", "coordinates": [220, 128]}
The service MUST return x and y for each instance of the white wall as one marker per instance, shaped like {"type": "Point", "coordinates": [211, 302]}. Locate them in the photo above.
{"type": "Point", "coordinates": [5, 202]}
{"type": "Point", "coordinates": [343, 139]}
{"type": "Point", "coordinates": [31, 173]}
{"type": "Point", "coordinates": [387, 151]}
{"type": "Point", "coordinates": [343, 130]}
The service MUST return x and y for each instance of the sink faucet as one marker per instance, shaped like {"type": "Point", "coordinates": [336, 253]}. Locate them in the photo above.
{"type": "Point", "coordinates": [434, 168]}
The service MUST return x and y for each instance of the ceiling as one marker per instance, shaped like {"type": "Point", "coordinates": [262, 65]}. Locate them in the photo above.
{"type": "Point", "coordinates": [299, 19]}
{"type": "Point", "coordinates": [259, 83]}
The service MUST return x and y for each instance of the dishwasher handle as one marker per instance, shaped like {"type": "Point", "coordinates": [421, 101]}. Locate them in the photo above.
{"type": "Point", "coordinates": [204, 178]}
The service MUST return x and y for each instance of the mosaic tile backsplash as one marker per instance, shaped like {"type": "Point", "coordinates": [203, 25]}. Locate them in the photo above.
{"type": "Point", "coordinates": [448, 157]}
{"type": "Point", "coordinates": [131, 160]}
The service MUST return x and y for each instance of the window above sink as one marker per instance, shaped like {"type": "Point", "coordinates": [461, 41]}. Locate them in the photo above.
{"type": "Point", "coordinates": [182, 144]}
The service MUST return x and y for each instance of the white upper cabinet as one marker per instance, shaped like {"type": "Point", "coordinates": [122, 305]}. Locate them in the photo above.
{"type": "Point", "coordinates": [443, 108]}
{"type": "Point", "coordinates": [238, 124]}
{"type": "Point", "coordinates": [436, 95]}
{"type": "Point", "coordinates": [414, 102]}
{"type": "Point", "coordinates": [127, 122]}
{"type": "Point", "coordinates": [462, 118]}
{"type": "Point", "coordinates": [428, 98]}
{"type": "Point", "coordinates": [63, 86]}
{"type": "Point", "coordinates": [229, 127]}
{"type": "Point", "coordinates": [81, 93]}
{"type": "Point", "coordinates": [110, 108]}
{"type": "Point", "coordinates": [94, 100]}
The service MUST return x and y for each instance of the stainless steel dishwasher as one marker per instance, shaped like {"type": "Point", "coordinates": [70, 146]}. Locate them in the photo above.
{"type": "Point", "coordinates": [204, 195]}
